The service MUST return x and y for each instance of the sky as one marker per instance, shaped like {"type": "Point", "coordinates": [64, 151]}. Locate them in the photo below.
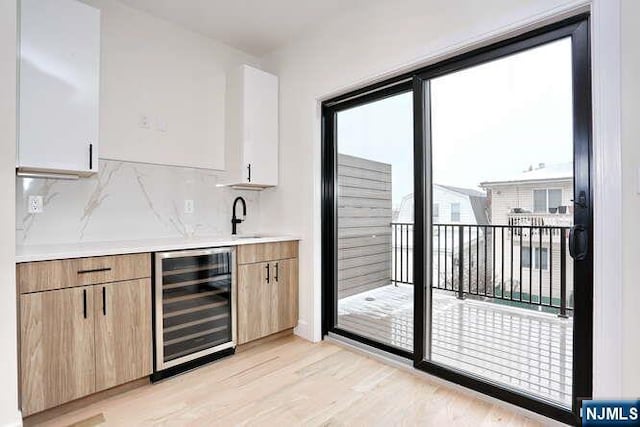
{"type": "Point", "coordinates": [489, 122]}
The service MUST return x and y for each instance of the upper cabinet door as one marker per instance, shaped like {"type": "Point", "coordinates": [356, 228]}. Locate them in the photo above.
{"type": "Point", "coordinates": [253, 128]}
{"type": "Point", "coordinates": [59, 87]}
{"type": "Point", "coordinates": [260, 108]}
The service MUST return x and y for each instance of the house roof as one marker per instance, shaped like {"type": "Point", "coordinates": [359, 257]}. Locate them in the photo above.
{"type": "Point", "coordinates": [557, 171]}
{"type": "Point", "coordinates": [465, 191]}
{"type": "Point", "coordinates": [477, 199]}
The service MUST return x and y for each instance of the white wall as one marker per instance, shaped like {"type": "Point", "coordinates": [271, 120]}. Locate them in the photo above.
{"type": "Point", "coordinates": [371, 43]}
{"type": "Point", "coordinates": [351, 50]}
{"type": "Point", "coordinates": [9, 414]}
{"type": "Point", "coordinates": [172, 75]}
{"type": "Point", "coordinates": [148, 67]}
{"type": "Point", "coordinates": [631, 199]}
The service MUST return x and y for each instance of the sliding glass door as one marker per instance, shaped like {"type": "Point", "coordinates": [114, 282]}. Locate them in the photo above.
{"type": "Point", "coordinates": [373, 166]}
{"type": "Point", "coordinates": [456, 225]}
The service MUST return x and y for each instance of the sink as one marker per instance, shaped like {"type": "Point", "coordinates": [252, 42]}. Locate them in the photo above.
{"type": "Point", "coordinates": [247, 236]}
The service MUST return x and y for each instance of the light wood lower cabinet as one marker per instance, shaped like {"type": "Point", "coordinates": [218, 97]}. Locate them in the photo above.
{"type": "Point", "coordinates": [75, 341]}
{"type": "Point", "coordinates": [267, 294]}
{"type": "Point", "coordinates": [254, 302]}
{"type": "Point", "coordinates": [284, 296]}
{"type": "Point", "coordinates": [57, 347]}
{"type": "Point", "coordinates": [122, 332]}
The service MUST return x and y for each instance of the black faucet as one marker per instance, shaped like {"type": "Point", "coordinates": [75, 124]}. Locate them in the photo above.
{"type": "Point", "coordinates": [234, 220]}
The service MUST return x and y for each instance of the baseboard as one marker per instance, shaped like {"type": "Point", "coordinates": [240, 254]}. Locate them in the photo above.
{"type": "Point", "coordinates": [15, 422]}
{"type": "Point", "coordinates": [304, 331]}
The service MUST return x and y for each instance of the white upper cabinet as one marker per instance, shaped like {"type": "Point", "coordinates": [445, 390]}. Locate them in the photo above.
{"type": "Point", "coordinates": [253, 132]}
{"type": "Point", "coordinates": [59, 87]}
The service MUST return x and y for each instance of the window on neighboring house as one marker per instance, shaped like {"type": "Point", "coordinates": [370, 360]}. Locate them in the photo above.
{"type": "Point", "coordinates": [537, 261]}
{"type": "Point", "coordinates": [541, 263]}
{"type": "Point", "coordinates": [543, 200]}
{"type": "Point", "coordinates": [525, 255]}
{"type": "Point", "coordinates": [455, 212]}
{"type": "Point", "coordinates": [555, 198]}
{"type": "Point", "coordinates": [436, 213]}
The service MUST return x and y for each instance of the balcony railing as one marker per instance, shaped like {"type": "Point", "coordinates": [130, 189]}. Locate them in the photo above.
{"type": "Point", "coordinates": [526, 266]}
{"type": "Point", "coordinates": [540, 219]}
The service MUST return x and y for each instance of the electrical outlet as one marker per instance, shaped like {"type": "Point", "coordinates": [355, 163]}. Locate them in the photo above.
{"type": "Point", "coordinates": [36, 204]}
{"type": "Point", "coordinates": [189, 206]}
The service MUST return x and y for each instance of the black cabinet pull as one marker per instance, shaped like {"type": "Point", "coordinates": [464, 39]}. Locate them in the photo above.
{"type": "Point", "coordinates": [84, 303]}
{"type": "Point", "coordinates": [249, 168]}
{"type": "Point", "coordinates": [104, 301]}
{"type": "Point", "coordinates": [277, 269]}
{"type": "Point", "coordinates": [90, 156]}
{"type": "Point", "coordinates": [95, 270]}
{"type": "Point", "coordinates": [268, 276]}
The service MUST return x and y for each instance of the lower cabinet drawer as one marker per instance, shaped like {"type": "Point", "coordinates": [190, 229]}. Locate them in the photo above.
{"type": "Point", "coordinates": [66, 273]}
{"type": "Point", "coordinates": [260, 252]}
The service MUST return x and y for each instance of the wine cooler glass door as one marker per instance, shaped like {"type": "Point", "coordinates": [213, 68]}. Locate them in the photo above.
{"type": "Point", "coordinates": [194, 304]}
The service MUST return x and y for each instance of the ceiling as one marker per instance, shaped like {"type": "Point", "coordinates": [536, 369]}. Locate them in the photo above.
{"type": "Point", "coordinates": [254, 26]}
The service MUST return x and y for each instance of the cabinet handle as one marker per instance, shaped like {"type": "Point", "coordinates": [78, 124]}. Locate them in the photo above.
{"type": "Point", "coordinates": [95, 270]}
{"type": "Point", "coordinates": [268, 276]}
{"type": "Point", "coordinates": [104, 301]}
{"type": "Point", "coordinates": [249, 168]}
{"type": "Point", "coordinates": [277, 269]}
{"type": "Point", "coordinates": [90, 156]}
{"type": "Point", "coordinates": [84, 303]}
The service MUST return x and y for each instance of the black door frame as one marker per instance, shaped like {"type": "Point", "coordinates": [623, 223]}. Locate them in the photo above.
{"type": "Point", "coordinates": [577, 28]}
{"type": "Point", "coordinates": [329, 209]}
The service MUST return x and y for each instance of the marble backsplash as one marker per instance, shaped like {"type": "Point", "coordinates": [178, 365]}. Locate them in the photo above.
{"type": "Point", "coordinates": [126, 201]}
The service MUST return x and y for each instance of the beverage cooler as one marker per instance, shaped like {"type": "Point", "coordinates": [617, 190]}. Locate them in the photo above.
{"type": "Point", "coordinates": [195, 318]}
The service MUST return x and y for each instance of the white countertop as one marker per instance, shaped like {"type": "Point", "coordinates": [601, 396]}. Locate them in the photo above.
{"type": "Point", "coordinates": [88, 249]}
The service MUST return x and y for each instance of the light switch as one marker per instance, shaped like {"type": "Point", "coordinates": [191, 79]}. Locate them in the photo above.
{"type": "Point", "coordinates": [144, 122]}
{"type": "Point", "coordinates": [189, 206]}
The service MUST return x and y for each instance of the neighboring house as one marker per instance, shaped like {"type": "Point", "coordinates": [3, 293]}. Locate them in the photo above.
{"type": "Point", "coordinates": [540, 196]}
{"type": "Point", "coordinates": [532, 201]}
{"type": "Point", "coordinates": [451, 205]}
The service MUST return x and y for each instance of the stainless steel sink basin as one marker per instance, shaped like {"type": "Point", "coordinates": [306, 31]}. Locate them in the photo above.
{"type": "Point", "coordinates": [247, 236]}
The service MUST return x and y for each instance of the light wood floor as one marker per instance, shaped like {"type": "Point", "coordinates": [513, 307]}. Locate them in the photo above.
{"type": "Point", "coordinates": [290, 382]}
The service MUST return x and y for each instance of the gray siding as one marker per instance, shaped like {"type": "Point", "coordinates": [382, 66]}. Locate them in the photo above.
{"type": "Point", "coordinates": [364, 225]}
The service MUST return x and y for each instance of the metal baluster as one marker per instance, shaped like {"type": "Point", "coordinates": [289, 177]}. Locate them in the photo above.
{"type": "Point", "coordinates": [563, 274]}
{"type": "Point", "coordinates": [511, 269]}
{"type": "Point", "coordinates": [469, 280]}
{"type": "Point", "coordinates": [401, 255]}
{"type": "Point", "coordinates": [520, 293]}
{"type": "Point", "coordinates": [460, 263]}
{"type": "Point", "coordinates": [395, 253]}
{"type": "Point", "coordinates": [502, 257]}
{"type": "Point", "coordinates": [540, 262]}
{"type": "Point", "coordinates": [531, 263]}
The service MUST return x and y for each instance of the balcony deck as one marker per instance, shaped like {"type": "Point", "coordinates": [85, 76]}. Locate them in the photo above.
{"type": "Point", "coordinates": [526, 350]}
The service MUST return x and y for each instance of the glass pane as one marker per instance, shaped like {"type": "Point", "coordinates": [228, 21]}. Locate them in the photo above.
{"type": "Point", "coordinates": [502, 156]}
{"type": "Point", "coordinates": [375, 220]}
{"type": "Point", "coordinates": [539, 200]}
{"type": "Point", "coordinates": [555, 199]}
